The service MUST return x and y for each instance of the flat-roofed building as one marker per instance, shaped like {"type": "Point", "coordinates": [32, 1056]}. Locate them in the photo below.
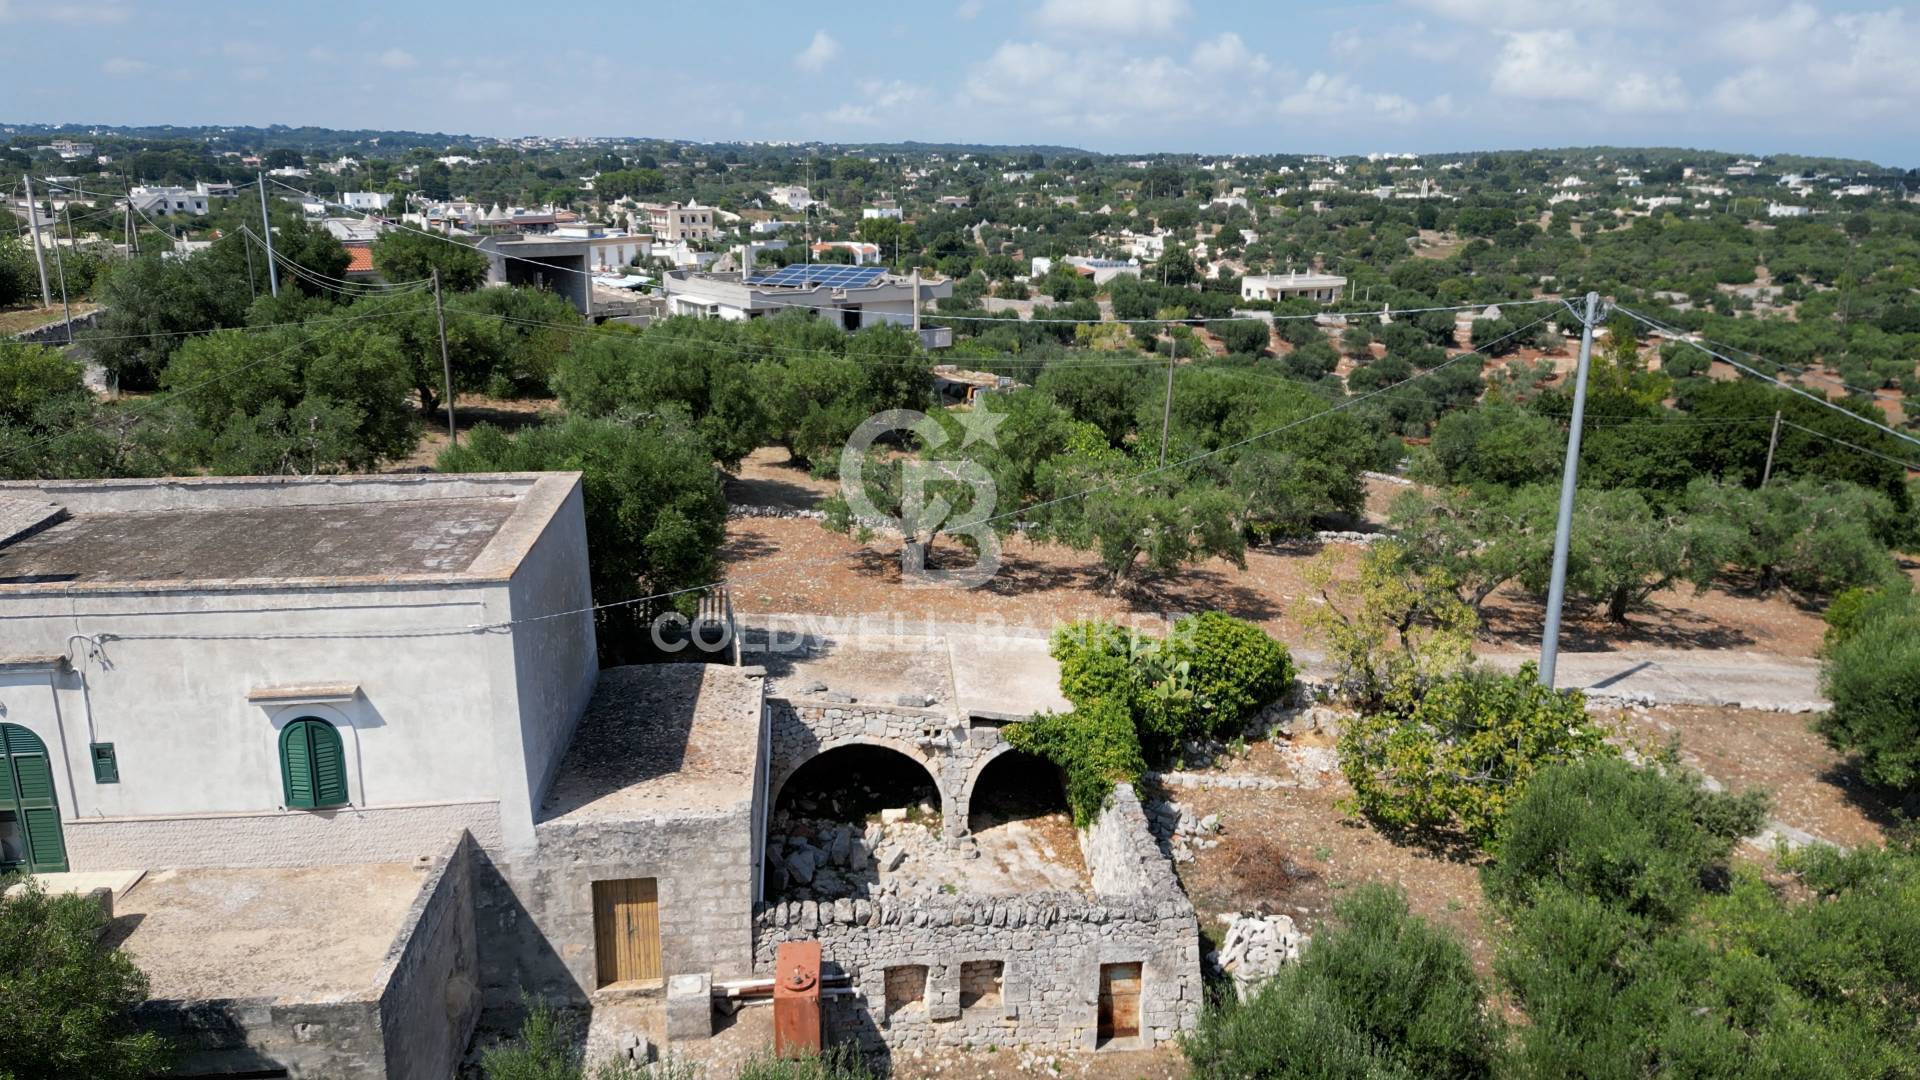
{"type": "Point", "coordinates": [288, 672]}
{"type": "Point", "coordinates": [1292, 286]}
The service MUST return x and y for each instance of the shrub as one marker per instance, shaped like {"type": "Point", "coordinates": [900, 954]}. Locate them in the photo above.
{"type": "Point", "coordinates": [1453, 757]}
{"type": "Point", "coordinates": [1380, 994]}
{"type": "Point", "coordinates": [1234, 668]}
{"type": "Point", "coordinates": [1639, 839]}
{"type": "Point", "coordinates": [64, 999]}
{"type": "Point", "coordinates": [1873, 680]}
{"type": "Point", "coordinates": [1852, 609]}
{"type": "Point", "coordinates": [1095, 744]}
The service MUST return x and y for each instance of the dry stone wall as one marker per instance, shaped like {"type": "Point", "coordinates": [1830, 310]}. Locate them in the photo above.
{"type": "Point", "coordinates": [1007, 971]}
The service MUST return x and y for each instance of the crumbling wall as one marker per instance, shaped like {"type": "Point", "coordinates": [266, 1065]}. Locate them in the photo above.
{"type": "Point", "coordinates": [1049, 948]}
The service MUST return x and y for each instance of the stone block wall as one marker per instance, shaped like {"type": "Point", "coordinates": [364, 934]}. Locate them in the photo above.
{"type": "Point", "coordinates": [1008, 970]}
{"type": "Point", "coordinates": [535, 911]}
{"type": "Point", "coordinates": [319, 1040]}
{"type": "Point", "coordinates": [953, 752]}
{"type": "Point", "coordinates": [431, 974]}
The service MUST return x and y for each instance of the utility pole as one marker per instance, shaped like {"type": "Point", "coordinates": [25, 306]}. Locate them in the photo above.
{"type": "Point", "coordinates": [1166, 409]}
{"type": "Point", "coordinates": [1563, 531]}
{"type": "Point", "coordinates": [60, 265]}
{"type": "Point", "coordinates": [916, 302]}
{"type": "Point", "coordinates": [1773, 441]}
{"type": "Point", "coordinates": [266, 228]}
{"type": "Point", "coordinates": [446, 364]}
{"type": "Point", "coordinates": [33, 226]}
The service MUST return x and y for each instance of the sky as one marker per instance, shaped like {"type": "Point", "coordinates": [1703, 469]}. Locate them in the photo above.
{"type": "Point", "coordinates": [1829, 77]}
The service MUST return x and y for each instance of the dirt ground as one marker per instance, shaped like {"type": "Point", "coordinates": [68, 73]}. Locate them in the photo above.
{"type": "Point", "coordinates": [470, 411]}
{"type": "Point", "coordinates": [1814, 788]}
{"type": "Point", "coordinates": [15, 320]}
{"type": "Point", "coordinates": [788, 565]}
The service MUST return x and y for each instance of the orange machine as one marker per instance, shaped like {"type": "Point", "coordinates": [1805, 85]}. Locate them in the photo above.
{"type": "Point", "coordinates": [796, 999]}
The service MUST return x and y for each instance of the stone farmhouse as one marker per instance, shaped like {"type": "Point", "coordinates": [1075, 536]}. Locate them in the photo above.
{"type": "Point", "coordinates": [339, 754]}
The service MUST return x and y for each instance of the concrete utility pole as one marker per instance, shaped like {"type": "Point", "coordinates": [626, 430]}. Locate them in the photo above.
{"type": "Point", "coordinates": [1569, 476]}
{"type": "Point", "coordinates": [1773, 442]}
{"type": "Point", "coordinates": [60, 266]}
{"type": "Point", "coordinates": [1166, 409]}
{"type": "Point", "coordinates": [916, 302]}
{"type": "Point", "coordinates": [266, 229]}
{"type": "Point", "coordinates": [33, 226]}
{"type": "Point", "coordinates": [446, 364]}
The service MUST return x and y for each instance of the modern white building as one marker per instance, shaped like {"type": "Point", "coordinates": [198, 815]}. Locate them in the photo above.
{"type": "Point", "coordinates": [849, 296]}
{"type": "Point", "coordinates": [881, 210]}
{"type": "Point", "coordinates": [1292, 286]}
{"type": "Point", "coordinates": [366, 200]}
{"type": "Point", "coordinates": [1787, 210]}
{"type": "Point", "coordinates": [168, 200]}
{"type": "Point", "coordinates": [607, 249]}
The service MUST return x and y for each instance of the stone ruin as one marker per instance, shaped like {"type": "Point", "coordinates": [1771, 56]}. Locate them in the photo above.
{"type": "Point", "coordinates": [1255, 949]}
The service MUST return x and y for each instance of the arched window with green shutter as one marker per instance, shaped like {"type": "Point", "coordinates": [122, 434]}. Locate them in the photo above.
{"type": "Point", "coordinates": [30, 836]}
{"type": "Point", "coordinates": [313, 768]}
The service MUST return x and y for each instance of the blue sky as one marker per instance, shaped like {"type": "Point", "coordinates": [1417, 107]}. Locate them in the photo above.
{"type": "Point", "coordinates": [1831, 76]}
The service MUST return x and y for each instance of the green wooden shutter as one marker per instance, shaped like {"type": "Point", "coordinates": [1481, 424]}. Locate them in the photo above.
{"type": "Point", "coordinates": [313, 765]}
{"type": "Point", "coordinates": [329, 766]}
{"type": "Point", "coordinates": [296, 764]}
{"type": "Point", "coordinates": [30, 780]}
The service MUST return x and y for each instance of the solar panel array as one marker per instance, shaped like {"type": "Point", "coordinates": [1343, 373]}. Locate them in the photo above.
{"type": "Point", "coordinates": [806, 275]}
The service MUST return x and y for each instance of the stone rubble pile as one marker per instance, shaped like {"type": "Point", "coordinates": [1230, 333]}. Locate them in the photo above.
{"type": "Point", "coordinates": [814, 858]}
{"type": "Point", "coordinates": [1256, 947]}
{"type": "Point", "coordinates": [1181, 830]}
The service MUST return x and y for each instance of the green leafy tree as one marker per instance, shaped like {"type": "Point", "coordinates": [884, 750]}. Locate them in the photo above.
{"type": "Point", "coordinates": [1621, 551]}
{"type": "Point", "coordinates": [407, 255]}
{"type": "Point", "coordinates": [150, 305]}
{"type": "Point", "coordinates": [1381, 994]}
{"type": "Point", "coordinates": [1398, 626]}
{"type": "Point", "coordinates": [1872, 676]}
{"type": "Point", "coordinates": [656, 514]}
{"type": "Point", "coordinates": [1803, 533]}
{"type": "Point", "coordinates": [66, 1000]}
{"type": "Point", "coordinates": [290, 401]}
{"type": "Point", "coordinates": [51, 426]}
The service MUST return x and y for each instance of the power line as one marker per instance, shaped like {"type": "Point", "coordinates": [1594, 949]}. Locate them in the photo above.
{"type": "Point", "coordinates": [1851, 446]}
{"type": "Point", "coordinates": [483, 627]}
{"type": "Point", "coordinates": [1815, 398]}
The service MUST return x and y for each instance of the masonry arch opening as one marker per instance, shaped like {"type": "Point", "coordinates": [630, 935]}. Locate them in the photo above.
{"type": "Point", "coordinates": [857, 781]}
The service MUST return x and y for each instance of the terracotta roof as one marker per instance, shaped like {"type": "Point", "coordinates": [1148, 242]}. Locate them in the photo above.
{"type": "Point", "coordinates": [359, 259]}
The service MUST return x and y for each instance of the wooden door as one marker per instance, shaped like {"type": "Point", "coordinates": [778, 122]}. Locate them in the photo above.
{"type": "Point", "coordinates": [626, 930]}
{"type": "Point", "coordinates": [1119, 1001]}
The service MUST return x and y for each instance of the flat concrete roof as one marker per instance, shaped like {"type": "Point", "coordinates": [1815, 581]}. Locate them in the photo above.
{"type": "Point", "coordinates": [307, 934]}
{"type": "Point", "coordinates": [274, 531]}
{"type": "Point", "coordinates": [966, 671]}
{"type": "Point", "coordinates": [661, 740]}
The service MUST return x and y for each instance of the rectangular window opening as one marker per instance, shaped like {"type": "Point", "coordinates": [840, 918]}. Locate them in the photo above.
{"type": "Point", "coordinates": [980, 984]}
{"type": "Point", "coordinates": [906, 988]}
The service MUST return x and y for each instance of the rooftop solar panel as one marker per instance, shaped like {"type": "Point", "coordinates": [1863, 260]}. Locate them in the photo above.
{"type": "Point", "coordinates": [833, 275]}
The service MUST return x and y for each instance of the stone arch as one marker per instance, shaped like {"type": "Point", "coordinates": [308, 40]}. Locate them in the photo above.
{"type": "Point", "coordinates": [970, 788]}
{"type": "Point", "coordinates": [907, 750]}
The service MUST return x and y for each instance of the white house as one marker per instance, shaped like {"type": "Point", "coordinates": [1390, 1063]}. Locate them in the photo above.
{"type": "Point", "coordinates": [1292, 286]}
{"type": "Point", "coordinates": [673, 223]}
{"type": "Point", "coordinates": [167, 200]}
{"type": "Point", "coordinates": [863, 254]}
{"type": "Point", "coordinates": [306, 670]}
{"type": "Point", "coordinates": [791, 196]}
{"type": "Point", "coordinates": [881, 210]}
{"type": "Point", "coordinates": [1786, 210]}
{"type": "Point", "coordinates": [366, 200]}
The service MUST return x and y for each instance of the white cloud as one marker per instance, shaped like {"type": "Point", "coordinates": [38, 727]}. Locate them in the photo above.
{"type": "Point", "coordinates": [880, 101]}
{"type": "Point", "coordinates": [395, 59]}
{"type": "Point", "coordinates": [969, 10]}
{"type": "Point", "coordinates": [320, 54]}
{"type": "Point", "coordinates": [1555, 65]}
{"type": "Point", "coordinates": [819, 53]}
{"type": "Point", "coordinates": [1221, 82]}
{"type": "Point", "coordinates": [1120, 18]}
{"type": "Point", "coordinates": [1807, 68]}
{"type": "Point", "coordinates": [1329, 96]}
{"type": "Point", "coordinates": [125, 67]}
